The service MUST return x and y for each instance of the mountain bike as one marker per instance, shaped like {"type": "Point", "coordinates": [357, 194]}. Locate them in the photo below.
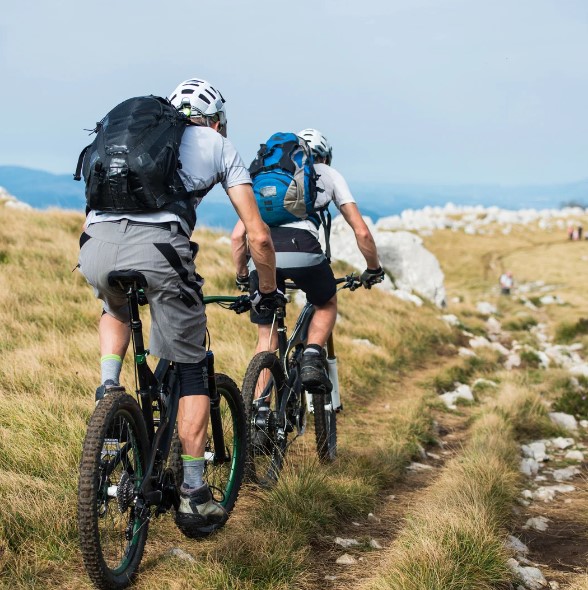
{"type": "Point", "coordinates": [276, 403]}
{"type": "Point", "coordinates": [131, 468]}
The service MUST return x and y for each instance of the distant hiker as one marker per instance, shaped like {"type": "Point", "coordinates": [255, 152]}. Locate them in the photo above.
{"type": "Point", "coordinates": [570, 232]}
{"type": "Point", "coordinates": [140, 215]}
{"type": "Point", "coordinates": [294, 211]}
{"type": "Point", "coordinates": [506, 282]}
{"type": "Point", "coordinates": [580, 230]}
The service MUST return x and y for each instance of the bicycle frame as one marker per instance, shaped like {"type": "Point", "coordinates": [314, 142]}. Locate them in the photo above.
{"type": "Point", "coordinates": [159, 391]}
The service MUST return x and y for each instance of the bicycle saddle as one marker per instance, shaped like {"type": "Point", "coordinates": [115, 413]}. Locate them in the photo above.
{"type": "Point", "coordinates": [127, 278]}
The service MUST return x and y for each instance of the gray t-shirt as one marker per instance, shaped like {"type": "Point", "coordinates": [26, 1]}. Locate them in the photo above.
{"type": "Point", "coordinates": [207, 159]}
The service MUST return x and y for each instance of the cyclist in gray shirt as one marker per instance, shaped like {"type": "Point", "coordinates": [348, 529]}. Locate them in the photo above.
{"type": "Point", "coordinates": [157, 244]}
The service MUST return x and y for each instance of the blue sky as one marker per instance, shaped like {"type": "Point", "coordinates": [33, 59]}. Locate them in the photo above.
{"type": "Point", "coordinates": [424, 91]}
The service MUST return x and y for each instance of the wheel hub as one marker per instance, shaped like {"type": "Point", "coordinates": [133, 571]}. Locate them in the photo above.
{"type": "Point", "coordinates": [125, 492]}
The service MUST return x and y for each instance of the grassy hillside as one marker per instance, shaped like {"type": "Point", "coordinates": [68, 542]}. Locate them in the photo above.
{"type": "Point", "coordinates": [50, 368]}
{"type": "Point", "coordinates": [441, 526]}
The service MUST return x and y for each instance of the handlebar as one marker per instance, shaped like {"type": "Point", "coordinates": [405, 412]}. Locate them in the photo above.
{"type": "Point", "coordinates": [238, 304]}
{"type": "Point", "coordinates": [242, 303]}
{"type": "Point", "coordinates": [350, 282]}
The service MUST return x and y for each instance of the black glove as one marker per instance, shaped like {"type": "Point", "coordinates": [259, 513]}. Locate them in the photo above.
{"type": "Point", "coordinates": [264, 302]}
{"type": "Point", "coordinates": [370, 277]}
{"type": "Point", "coordinates": [242, 283]}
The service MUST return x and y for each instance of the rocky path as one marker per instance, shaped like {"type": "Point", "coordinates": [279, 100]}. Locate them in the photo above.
{"type": "Point", "coordinates": [344, 560]}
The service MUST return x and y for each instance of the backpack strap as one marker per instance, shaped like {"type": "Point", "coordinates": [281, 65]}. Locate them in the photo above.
{"type": "Point", "coordinates": [78, 173]}
{"type": "Point", "coordinates": [326, 223]}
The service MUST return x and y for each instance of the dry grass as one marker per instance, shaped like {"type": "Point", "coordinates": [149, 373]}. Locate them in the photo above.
{"type": "Point", "coordinates": [50, 368]}
{"type": "Point", "coordinates": [454, 539]}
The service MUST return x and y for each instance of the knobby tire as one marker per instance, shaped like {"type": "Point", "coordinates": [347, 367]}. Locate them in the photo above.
{"type": "Point", "coordinates": [325, 427]}
{"type": "Point", "coordinates": [114, 457]}
{"type": "Point", "coordinates": [266, 450]}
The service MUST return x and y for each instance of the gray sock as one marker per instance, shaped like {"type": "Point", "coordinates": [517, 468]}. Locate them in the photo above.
{"type": "Point", "coordinates": [193, 471]}
{"type": "Point", "coordinates": [111, 365]}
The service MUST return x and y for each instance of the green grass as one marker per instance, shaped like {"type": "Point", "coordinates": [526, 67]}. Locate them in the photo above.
{"type": "Point", "coordinates": [567, 332]}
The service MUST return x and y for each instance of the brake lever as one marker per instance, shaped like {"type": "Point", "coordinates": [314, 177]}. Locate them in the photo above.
{"type": "Point", "coordinates": [242, 304]}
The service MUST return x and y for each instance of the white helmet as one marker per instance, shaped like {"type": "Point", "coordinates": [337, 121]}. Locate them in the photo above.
{"type": "Point", "coordinates": [318, 143]}
{"type": "Point", "coordinates": [202, 100]}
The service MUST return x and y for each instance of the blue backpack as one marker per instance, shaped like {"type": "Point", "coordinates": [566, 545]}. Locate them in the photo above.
{"type": "Point", "coordinates": [284, 180]}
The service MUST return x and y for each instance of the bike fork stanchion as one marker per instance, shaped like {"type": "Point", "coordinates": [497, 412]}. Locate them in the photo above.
{"type": "Point", "coordinates": [333, 375]}
{"type": "Point", "coordinates": [215, 416]}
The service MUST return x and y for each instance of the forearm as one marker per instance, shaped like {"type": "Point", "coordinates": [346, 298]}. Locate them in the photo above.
{"type": "Point", "coordinates": [367, 246]}
{"type": "Point", "coordinates": [262, 252]}
{"type": "Point", "coordinates": [239, 249]}
{"type": "Point", "coordinates": [363, 236]}
{"type": "Point", "coordinates": [259, 240]}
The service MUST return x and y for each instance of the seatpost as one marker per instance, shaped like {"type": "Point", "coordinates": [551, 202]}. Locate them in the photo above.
{"type": "Point", "coordinates": [138, 342]}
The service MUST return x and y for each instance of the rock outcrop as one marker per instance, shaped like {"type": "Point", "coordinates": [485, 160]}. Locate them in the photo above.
{"type": "Point", "coordinates": [411, 266]}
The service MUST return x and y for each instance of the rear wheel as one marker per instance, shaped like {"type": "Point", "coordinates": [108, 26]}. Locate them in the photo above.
{"type": "Point", "coordinates": [224, 478]}
{"type": "Point", "coordinates": [114, 457]}
{"type": "Point", "coordinates": [325, 427]}
{"type": "Point", "coordinates": [262, 389]}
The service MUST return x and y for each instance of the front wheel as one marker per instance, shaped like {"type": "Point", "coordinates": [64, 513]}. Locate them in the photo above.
{"type": "Point", "coordinates": [325, 427]}
{"type": "Point", "coordinates": [114, 458]}
{"type": "Point", "coordinates": [263, 387]}
{"type": "Point", "coordinates": [223, 477]}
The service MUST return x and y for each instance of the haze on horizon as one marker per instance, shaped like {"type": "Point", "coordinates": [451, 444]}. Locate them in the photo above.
{"type": "Point", "coordinates": [411, 91]}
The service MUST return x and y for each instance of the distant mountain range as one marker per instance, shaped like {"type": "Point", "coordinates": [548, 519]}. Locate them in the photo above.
{"type": "Point", "coordinates": [42, 190]}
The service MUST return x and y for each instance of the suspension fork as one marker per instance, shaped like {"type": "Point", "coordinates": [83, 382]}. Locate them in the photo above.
{"type": "Point", "coordinates": [216, 422]}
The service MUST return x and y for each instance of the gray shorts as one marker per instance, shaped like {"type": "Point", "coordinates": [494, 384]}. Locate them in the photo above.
{"type": "Point", "coordinates": [166, 258]}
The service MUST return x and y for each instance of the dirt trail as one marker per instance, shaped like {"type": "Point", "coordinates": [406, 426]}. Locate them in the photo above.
{"type": "Point", "coordinates": [394, 503]}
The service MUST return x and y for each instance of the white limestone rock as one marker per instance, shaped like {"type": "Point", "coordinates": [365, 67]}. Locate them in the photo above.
{"type": "Point", "coordinates": [461, 392]}
{"type": "Point", "coordinates": [451, 319]}
{"type": "Point", "coordinates": [480, 382]}
{"type": "Point", "coordinates": [407, 296]}
{"type": "Point", "coordinates": [537, 523]}
{"type": "Point", "coordinates": [181, 554]}
{"type": "Point", "coordinates": [402, 255]}
{"type": "Point", "coordinates": [513, 360]}
{"type": "Point", "coordinates": [536, 450]}
{"type": "Point", "coordinates": [565, 473]}
{"type": "Point", "coordinates": [346, 559]}
{"type": "Point", "coordinates": [415, 466]}
{"type": "Point", "coordinates": [486, 308]}
{"type": "Point", "coordinates": [562, 443]}
{"type": "Point", "coordinates": [465, 352]}
{"type": "Point", "coordinates": [515, 544]}
{"type": "Point", "coordinates": [564, 420]}
{"type": "Point", "coordinates": [529, 466]}
{"type": "Point", "coordinates": [345, 543]}
{"type": "Point", "coordinates": [575, 456]}
{"type": "Point", "coordinates": [363, 342]}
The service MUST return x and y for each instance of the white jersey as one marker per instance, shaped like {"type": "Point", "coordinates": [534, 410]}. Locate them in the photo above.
{"type": "Point", "coordinates": [332, 188]}
{"type": "Point", "coordinates": [207, 159]}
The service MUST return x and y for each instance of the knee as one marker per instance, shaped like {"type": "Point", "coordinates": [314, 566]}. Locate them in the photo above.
{"type": "Point", "coordinates": [330, 305]}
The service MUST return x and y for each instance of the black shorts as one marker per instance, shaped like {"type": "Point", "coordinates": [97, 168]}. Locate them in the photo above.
{"type": "Point", "coordinates": [300, 259]}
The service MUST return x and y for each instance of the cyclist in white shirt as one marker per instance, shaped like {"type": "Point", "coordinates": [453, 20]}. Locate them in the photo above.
{"type": "Point", "coordinates": [299, 257]}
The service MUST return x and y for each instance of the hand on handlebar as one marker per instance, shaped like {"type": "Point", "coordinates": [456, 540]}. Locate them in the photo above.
{"type": "Point", "coordinates": [264, 302]}
{"type": "Point", "coordinates": [242, 304]}
{"type": "Point", "coordinates": [370, 277]}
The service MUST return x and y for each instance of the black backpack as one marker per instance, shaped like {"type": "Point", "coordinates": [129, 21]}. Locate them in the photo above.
{"type": "Point", "coordinates": [132, 164]}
